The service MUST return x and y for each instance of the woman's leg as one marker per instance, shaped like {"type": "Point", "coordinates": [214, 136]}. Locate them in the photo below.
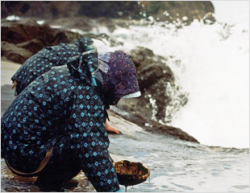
{"type": "Point", "coordinates": [62, 167]}
{"type": "Point", "coordinates": [54, 176]}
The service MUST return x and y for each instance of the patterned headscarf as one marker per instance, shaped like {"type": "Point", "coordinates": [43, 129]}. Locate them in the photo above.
{"type": "Point", "coordinates": [113, 73]}
{"type": "Point", "coordinates": [120, 80]}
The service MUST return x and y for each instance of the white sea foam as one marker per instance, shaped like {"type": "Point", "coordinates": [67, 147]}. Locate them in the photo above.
{"type": "Point", "coordinates": [12, 18]}
{"type": "Point", "coordinates": [213, 67]}
{"type": "Point", "coordinates": [41, 22]}
{"type": "Point", "coordinates": [78, 31]}
{"type": "Point", "coordinates": [55, 26]}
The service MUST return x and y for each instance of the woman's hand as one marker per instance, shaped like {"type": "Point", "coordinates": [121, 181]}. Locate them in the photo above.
{"type": "Point", "coordinates": [111, 129]}
{"type": "Point", "coordinates": [14, 84]}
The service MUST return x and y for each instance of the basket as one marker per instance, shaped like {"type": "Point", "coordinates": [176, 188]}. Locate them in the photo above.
{"type": "Point", "coordinates": [131, 173]}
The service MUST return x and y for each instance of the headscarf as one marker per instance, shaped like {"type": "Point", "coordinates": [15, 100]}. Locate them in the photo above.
{"type": "Point", "coordinates": [120, 80]}
{"type": "Point", "coordinates": [113, 73]}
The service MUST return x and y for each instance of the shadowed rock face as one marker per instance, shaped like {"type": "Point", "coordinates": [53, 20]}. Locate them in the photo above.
{"type": "Point", "coordinates": [150, 68]}
{"type": "Point", "coordinates": [153, 76]}
{"type": "Point", "coordinates": [24, 30]}
{"type": "Point", "coordinates": [24, 38]}
{"type": "Point", "coordinates": [27, 29]}
{"type": "Point", "coordinates": [14, 53]}
{"type": "Point", "coordinates": [155, 127]}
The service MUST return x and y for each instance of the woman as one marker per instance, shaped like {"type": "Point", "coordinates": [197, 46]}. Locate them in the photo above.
{"type": "Point", "coordinates": [47, 58]}
{"type": "Point", "coordinates": [56, 126]}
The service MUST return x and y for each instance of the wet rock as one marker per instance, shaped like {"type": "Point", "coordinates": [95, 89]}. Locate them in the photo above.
{"type": "Point", "coordinates": [14, 53]}
{"type": "Point", "coordinates": [154, 76]}
{"type": "Point", "coordinates": [22, 39]}
{"type": "Point", "coordinates": [209, 19]}
{"type": "Point", "coordinates": [155, 127]}
{"type": "Point", "coordinates": [27, 29]}
{"type": "Point", "coordinates": [33, 45]}
{"type": "Point", "coordinates": [24, 30]}
{"type": "Point", "coordinates": [150, 67]}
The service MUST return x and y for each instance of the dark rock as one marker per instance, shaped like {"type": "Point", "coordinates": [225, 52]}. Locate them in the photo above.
{"type": "Point", "coordinates": [24, 38]}
{"type": "Point", "coordinates": [14, 53]}
{"type": "Point", "coordinates": [24, 30]}
{"type": "Point", "coordinates": [156, 127]}
{"type": "Point", "coordinates": [150, 68]}
{"type": "Point", "coordinates": [153, 77]}
{"type": "Point", "coordinates": [141, 55]}
{"type": "Point", "coordinates": [209, 19]}
{"type": "Point", "coordinates": [149, 75]}
{"type": "Point", "coordinates": [33, 45]}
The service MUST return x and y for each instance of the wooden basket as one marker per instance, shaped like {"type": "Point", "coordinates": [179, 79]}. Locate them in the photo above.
{"type": "Point", "coordinates": [131, 173]}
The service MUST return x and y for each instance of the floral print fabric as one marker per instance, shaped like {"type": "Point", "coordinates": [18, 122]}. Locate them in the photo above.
{"type": "Point", "coordinates": [45, 59]}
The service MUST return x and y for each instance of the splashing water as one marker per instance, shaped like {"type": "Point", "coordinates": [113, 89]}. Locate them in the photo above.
{"type": "Point", "coordinates": [211, 64]}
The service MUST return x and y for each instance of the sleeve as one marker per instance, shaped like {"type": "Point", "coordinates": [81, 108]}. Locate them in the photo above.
{"type": "Point", "coordinates": [90, 140]}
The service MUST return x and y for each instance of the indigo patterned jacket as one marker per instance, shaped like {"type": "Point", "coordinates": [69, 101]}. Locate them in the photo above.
{"type": "Point", "coordinates": [45, 59]}
{"type": "Point", "coordinates": [65, 109]}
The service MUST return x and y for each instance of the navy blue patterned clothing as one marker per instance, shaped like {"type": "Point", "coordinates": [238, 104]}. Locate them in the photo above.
{"type": "Point", "coordinates": [65, 108]}
{"type": "Point", "coordinates": [45, 59]}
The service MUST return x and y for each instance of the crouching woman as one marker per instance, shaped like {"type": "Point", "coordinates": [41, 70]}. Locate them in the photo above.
{"type": "Point", "coordinates": [56, 126]}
